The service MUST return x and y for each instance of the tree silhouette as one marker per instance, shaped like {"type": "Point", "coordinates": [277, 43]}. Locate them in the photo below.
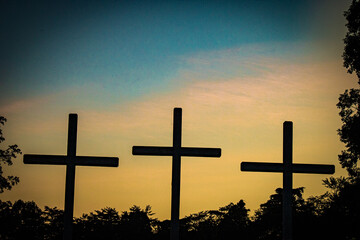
{"type": "Point", "coordinates": [137, 223]}
{"type": "Point", "coordinates": [21, 220]}
{"type": "Point", "coordinates": [54, 223]}
{"type": "Point", "coordinates": [6, 226]}
{"type": "Point", "coordinates": [351, 54]}
{"type": "Point", "coordinates": [333, 215]}
{"type": "Point", "coordinates": [349, 101]}
{"type": "Point", "coordinates": [162, 229]}
{"type": "Point", "coordinates": [235, 221]}
{"type": "Point", "coordinates": [6, 156]}
{"type": "Point", "coordinates": [101, 224]}
{"type": "Point", "coordinates": [202, 225]}
{"type": "Point", "coordinates": [267, 222]}
{"type": "Point", "coordinates": [341, 209]}
{"type": "Point", "coordinates": [306, 213]}
{"type": "Point", "coordinates": [228, 222]}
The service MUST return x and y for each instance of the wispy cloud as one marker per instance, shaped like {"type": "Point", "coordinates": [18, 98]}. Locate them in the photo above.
{"type": "Point", "coordinates": [278, 91]}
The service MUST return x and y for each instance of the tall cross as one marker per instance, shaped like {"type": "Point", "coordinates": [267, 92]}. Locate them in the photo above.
{"type": "Point", "coordinates": [176, 151]}
{"type": "Point", "coordinates": [287, 168]}
{"type": "Point", "coordinates": [70, 160]}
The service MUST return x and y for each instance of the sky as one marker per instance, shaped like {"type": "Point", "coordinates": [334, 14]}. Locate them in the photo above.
{"type": "Point", "coordinates": [238, 69]}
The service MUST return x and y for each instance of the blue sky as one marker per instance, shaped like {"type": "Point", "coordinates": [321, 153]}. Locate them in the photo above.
{"type": "Point", "coordinates": [131, 47]}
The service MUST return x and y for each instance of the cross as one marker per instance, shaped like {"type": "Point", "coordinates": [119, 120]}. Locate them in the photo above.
{"type": "Point", "coordinates": [176, 151]}
{"type": "Point", "coordinates": [287, 168]}
{"type": "Point", "coordinates": [70, 160]}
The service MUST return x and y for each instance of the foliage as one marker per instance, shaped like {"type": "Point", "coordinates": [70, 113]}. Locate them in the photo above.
{"type": "Point", "coordinates": [202, 225]}
{"type": "Point", "coordinates": [234, 221]}
{"type": "Point", "coordinates": [225, 223]}
{"type": "Point", "coordinates": [6, 156]}
{"type": "Point", "coordinates": [137, 223]}
{"type": "Point", "coordinates": [333, 215]}
{"type": "Point", "coordinates": [339, 209]}
{"type": "Point", "coordinates": [53, 223]}
{"type": "Point", "coordinates": [268, 217]}
{"type": "Point", "coordinates": [102, 223]}
{"type": "Point", "coordinates": [21, 220]}
{"type": "Point", "coordinates": [351, 53]}
{"type": "Point", "coordinates": [308, 217]}
{"type": "Point", "coordinates": [342, 213]}
{"type": "Point", "coordinates": [349, 101]}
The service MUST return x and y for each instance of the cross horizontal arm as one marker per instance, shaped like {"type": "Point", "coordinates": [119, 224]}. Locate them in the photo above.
{"type": "Point", "coordinates": [97, 161]}
{"type": "Point", "coordinates": [200, 152]}
{"type": "Point", "coordinates": [78, 160]}
{"type": "Point", "coordinates": [313, 168]}
{"type": "Point", "coordinates": [261, 167]}
{"type": "Point", "coordinates": [154, 151]}
{"type": "Point", "coordinates": [169, 151]}
{"type": "Point", "coordinates": [279, 167]}
{"type": "Point", "coordinates": [45, 159]}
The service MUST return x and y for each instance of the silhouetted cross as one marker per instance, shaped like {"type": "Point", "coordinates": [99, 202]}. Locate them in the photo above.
{"type": "Point", "coordinates": [287, 168]}
{"type": "Point", "coordinates": [70, 160]}
{"type": "Point", "coordinates": [176, 151]}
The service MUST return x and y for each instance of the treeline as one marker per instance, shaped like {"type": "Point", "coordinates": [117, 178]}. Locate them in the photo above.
{"type": "Point", "coordinates": [334, 215]}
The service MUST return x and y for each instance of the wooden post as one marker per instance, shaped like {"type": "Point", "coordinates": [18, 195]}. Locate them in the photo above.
{"type": "Point", "coordinates": [287, 181]}
{"type": "Point", "coordinates": [176, 173]}
{"type": "Point", "coordinates": [70, 160]}
{"type": "Point", "coordinates": [176, 151]}
{"type": "Point", "coordinates": [287, 168]}
{"type": "Point", "coordinates": [70, 178]}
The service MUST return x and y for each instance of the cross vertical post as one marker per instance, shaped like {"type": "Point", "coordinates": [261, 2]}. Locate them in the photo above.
{"type": "Point", "coordinates": [70, 178]}
{"type": "Point", "coordinates": [176, 151]}
{"type": "Point", "coordinates": [287, 180]}
{"type": "Point", "coordinates": [176, 173]}
{"type": "Point", "coordinates": [70, 160]}
{"type": "Point", "coordinates": [287, 168]}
